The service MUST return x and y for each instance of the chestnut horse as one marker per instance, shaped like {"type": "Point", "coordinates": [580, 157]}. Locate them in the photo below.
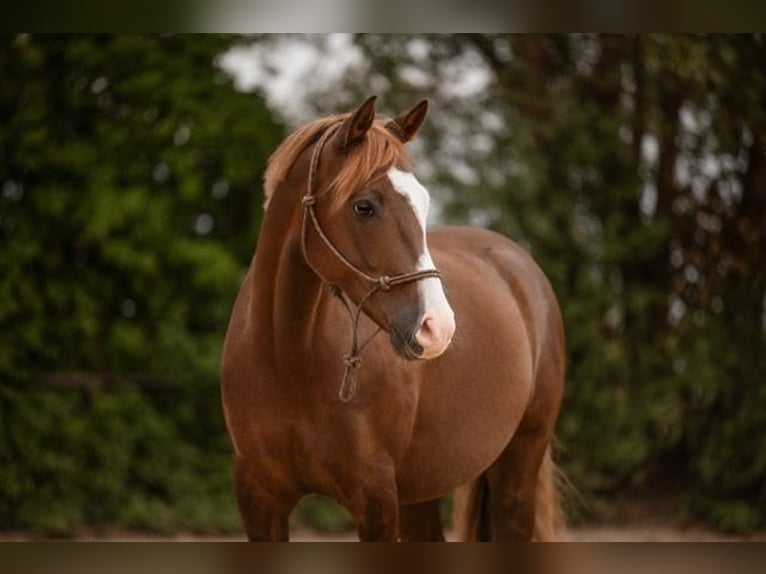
{"type": "Point", "coordinates": [462, 394]}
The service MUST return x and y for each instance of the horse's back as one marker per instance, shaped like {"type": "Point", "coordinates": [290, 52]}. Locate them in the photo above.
{"type": "Point", "coordinates": [482, 263]}
{"type": "Point", "coordinates": [471, 245]}
{"type": "Point", "coordinates": [472, 257]}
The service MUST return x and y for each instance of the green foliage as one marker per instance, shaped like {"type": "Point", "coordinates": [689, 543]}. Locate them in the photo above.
{"type": "Point", "coordinates": [322, 514]}
{"type": "Point", "coordinates": [114, 457]}
{"type": "Point", "coordinates": [130, 163]}
{"type": "Point", "coordinates": [127, 216]}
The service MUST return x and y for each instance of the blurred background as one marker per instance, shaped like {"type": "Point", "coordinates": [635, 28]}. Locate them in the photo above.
{"type": "Point", "coordinates": [632, 167]}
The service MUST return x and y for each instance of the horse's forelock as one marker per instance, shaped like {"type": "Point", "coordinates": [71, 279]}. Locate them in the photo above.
{"type": "Point", "coordinates": [283, 158]}
{"type": "Point", "coordinates": [380, 150]}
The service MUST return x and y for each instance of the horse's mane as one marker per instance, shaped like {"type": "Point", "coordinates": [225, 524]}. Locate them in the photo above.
{"type": "Point", "coordinates": [379, 150]}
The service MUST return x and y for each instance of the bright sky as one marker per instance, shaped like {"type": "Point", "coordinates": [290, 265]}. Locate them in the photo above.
{"type": "Point", "coordinates": [288, 68]}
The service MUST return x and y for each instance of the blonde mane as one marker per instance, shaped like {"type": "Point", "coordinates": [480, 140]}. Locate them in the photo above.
{"type": "Point", "coordinates": [379, 150]}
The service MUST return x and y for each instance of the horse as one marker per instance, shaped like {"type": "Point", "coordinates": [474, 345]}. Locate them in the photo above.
{"type": "Point", "coordinates": [461, 395]}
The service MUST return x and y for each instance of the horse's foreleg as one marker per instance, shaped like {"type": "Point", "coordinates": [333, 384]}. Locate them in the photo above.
{"type": "Point", "coordinates": [421, 522]}
{"type": "Point", "coordinates": [264, 509]}
{"type": "Point", "coordinates": [374, 506]}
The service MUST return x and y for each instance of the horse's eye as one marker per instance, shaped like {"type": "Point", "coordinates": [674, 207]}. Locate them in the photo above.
{"type": "Point", "coordinates": [364, 208]}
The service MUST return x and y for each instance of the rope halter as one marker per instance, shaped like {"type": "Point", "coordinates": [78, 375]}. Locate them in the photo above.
{"type": "Point", "coordinates": [352, 359]}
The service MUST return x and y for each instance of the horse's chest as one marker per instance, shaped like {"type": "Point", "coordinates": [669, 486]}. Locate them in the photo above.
{"type": "Point", "coordinates": [326, 445]}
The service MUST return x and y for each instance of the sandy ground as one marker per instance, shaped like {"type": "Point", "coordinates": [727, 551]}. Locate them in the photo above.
{"type": "Point", "coordinates": [590, 534]}
{"type": "Point", "coordinates": [602, 534]}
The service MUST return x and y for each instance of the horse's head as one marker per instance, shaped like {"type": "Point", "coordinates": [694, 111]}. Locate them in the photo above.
{"type": "Point", "coordinates": [373, 212]}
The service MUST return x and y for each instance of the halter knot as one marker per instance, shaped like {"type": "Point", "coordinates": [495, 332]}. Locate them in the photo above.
{"type": "Point", "coordinates": [352, 361]}
{"type": "Point", "coordinates": [309, 199]}
{"type": "Point", "coordinates": [384, 281]}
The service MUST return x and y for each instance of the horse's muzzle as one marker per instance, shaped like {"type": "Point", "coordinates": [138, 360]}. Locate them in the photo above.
{"type": "Point", "coordinates": [417, 335]}
{"type": "Point", "coordinates": [434, 334]}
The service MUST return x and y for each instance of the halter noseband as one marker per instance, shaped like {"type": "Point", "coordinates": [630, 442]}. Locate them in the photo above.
{"type": "Point", "coordinates": [352, 359]}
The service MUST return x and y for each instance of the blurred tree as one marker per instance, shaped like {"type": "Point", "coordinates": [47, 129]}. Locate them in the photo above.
{"type": "Point", "coordinates": [127, 205]}
{"type": "Point", "coordinates": [128, 167]}
{"type": "Point", "coordinates": [633, 168]}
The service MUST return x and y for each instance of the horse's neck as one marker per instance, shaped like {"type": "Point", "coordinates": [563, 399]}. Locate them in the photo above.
{"type": "Point", "coordinates": [288, 296]}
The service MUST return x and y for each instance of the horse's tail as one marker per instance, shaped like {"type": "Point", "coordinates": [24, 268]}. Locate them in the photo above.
{"type": "Point", "coordinates": [471, 506]}
{"type": "Point", "coordinates": [470, 513]}
{"type": "Point", "coordinates": [549, 512]}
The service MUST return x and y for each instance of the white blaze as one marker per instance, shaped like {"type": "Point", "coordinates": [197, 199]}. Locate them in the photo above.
{"type": "Point", "coordinates": [437, 308]}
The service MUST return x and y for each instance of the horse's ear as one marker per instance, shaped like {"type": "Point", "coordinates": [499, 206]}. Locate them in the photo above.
{"type": "Point", "coordinates": [356, 126]}
{"type": "Point", "coordinates": [406, 126]}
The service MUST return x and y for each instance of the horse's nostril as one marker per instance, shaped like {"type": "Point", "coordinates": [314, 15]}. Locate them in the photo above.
{"type": "Point", "coordinates": [434, 335]}
{"type": "Point", "coordinates": [425, 335]}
